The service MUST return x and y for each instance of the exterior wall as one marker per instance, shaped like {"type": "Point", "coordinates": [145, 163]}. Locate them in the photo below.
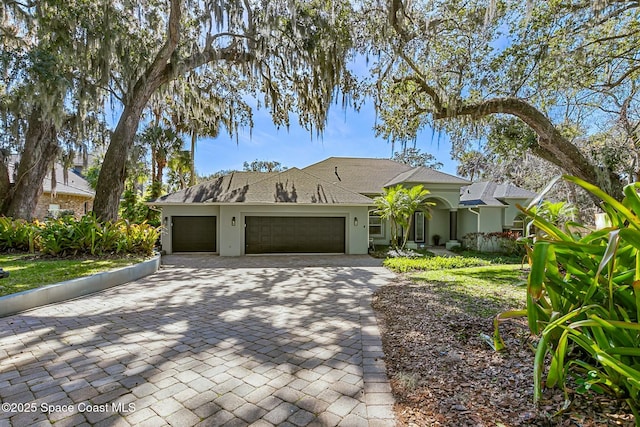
{"type": "Point", "coordinates": [467, 222]}
{"type": "Point", "coordinates": [447, 194]}
{"type": "Point", "coordinates": [438, 224]}
{"type": "Point", "coordinates": [490, 220]}
{"type": "Point", "coordinates": [185, 210]}
{"type": "Point", "coordinates": [231, 237]}
{"type": "Point", "coordinates": [511, 212]}
{"type": "Point", "coordinates": [66, 202]}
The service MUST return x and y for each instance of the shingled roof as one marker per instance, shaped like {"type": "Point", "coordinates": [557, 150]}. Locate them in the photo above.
{"type": "Point", "coordinates": [491, 194]}
{"type": "Point", "coordinates": [226, 188]}
{"type": "Point", "coordinates": [75, 185]}
{"type": "Point", "coordinates": [290, 186]}
{"type": "Point", "coordinates": [365, 176]}
{"type": "Point", "coordinates": [423, 174]}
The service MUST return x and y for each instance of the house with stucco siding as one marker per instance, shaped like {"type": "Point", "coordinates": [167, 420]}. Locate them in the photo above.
{"type": "Point", "coordinates": [326, 207]}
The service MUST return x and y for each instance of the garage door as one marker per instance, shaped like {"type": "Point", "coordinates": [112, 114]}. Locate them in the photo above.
{"type": "Point", "coordinates": [193, 233]}
{"type": "Point", "coordinates": [269, 234]}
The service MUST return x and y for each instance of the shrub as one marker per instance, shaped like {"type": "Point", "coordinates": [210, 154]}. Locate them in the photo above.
{"type": "Point", "coordinates": [505, 242]}
{"type": "Point", "coordinates": [403, 265]}
{"type": "Point", "coordinates": [18, 235]}
{"type": "Point", "coordinates": [85, 236]}
{"type": "Point", "coordinates": [582, 300]}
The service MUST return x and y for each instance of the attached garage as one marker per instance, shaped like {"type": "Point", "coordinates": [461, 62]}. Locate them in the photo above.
{"type": "Point", "coordinates": [282, 234]}
{"type": "Point", "coordinates": [193, 233]}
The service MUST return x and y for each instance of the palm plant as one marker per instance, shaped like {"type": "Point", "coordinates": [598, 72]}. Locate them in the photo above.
{"type": "Point", "coordinates": [415, 199]}
{"type": "Point", "coordinates": [398, 204]}
{"type": "Point", "coordinates": [389, 206]}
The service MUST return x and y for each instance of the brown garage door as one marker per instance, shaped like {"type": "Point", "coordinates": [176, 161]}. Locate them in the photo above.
{"type": "Point", "coordinates": [273, 234]}
{"type": "Point", "coordinates": [193, 233]}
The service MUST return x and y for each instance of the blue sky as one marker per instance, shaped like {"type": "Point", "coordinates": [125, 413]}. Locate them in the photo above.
{"type": "Point", "coordinates": [348, 134]}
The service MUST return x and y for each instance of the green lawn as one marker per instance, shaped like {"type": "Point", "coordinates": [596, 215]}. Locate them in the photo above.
{"type": "Point", "coordinates": [29, 273]}
{"type": "Point", "coordinates": [478, 290]}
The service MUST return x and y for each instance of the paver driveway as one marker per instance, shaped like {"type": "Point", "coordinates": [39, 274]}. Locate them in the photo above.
{"type": "Point", "coordinates": [207, 340]}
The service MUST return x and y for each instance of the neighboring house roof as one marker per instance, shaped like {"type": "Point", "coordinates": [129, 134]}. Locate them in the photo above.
{"type": "Point", "coordinates": [75, 185]}
{"type": "Point", "coordinates": [491, 194]}
{"type": "Point", "coordinates": [423, 174]}
{"type": "Point", "coordinates": [290, 186]}
{"type": "Point", "coordinates": [364, 176]}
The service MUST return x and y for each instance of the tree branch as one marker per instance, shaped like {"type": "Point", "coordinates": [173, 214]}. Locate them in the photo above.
{"type": "Point", "coordinates": [552, 145]}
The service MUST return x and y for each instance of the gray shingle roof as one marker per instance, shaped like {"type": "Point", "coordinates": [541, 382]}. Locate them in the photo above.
{"type": "Point", "coordinates": [223, 189]}
{"type": "Point", "coordinates": [75, 185]}
{"type": "Point", "coordinates": [290, 186]}
{"type": "Point", "coordinates": [426, 175]}
{"type": "Point", "coordinates": [491, 194]}
{"type": "Point", "coordinates": [361, 175]}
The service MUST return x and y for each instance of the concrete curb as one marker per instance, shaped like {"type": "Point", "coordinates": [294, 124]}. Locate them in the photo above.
{"type": "Point", "coordinates": [21, 301]}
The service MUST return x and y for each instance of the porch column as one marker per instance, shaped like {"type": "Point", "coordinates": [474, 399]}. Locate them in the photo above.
{"type": "Point", "coordinates": [453, 224]}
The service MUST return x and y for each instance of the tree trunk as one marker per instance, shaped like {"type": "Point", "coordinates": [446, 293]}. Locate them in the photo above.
{"type": "Point", "coordinates": [114, 167]}
{"type": "Point", "coordinates": [40, 149]}
{"type": "Point", "coordinates": [192, 164]}
{"type": "Point", "coordinates": [5, 183]}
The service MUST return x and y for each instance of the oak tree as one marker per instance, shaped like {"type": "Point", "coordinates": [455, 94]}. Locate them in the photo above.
{"type": "Point", "coordinates": [555, 65]}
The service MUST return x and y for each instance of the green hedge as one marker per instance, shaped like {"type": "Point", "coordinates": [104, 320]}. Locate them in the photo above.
{"type": "Point", "coordinates": [69, 236]}
{"type": "Point", "coordinates": [403, 265]}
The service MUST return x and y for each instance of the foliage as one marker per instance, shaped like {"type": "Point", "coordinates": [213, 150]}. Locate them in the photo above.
{"type": "Point", "coordinates": [583, 295]}
{"type": "Point", "coordinates": [50, 66]}
{"type": "Point", "coordinates": [403, 265]}
{"type": "Point", "coordinates": [398, 204]}
{"type": "Point", "coordinates": [560, 214]}
{"type": "Point", "coordinates": [86, 236]}
{"type": "Point", "coordinates": [565, 69]}
{"type": "Point", "coordinates": [505, 242]}
{"type": "Point", "coordinates": [134, 210]}
{"type": "Point", "coordinates": [263, 166]}
{"type": "Point", "coordinates": [403, 253]}
{"type": "Point", "coordinates": [18, 235]}
{"type": "Point", "coordinates": [29, 273]}
{"type": "Point", "coordinates": [414, 158]}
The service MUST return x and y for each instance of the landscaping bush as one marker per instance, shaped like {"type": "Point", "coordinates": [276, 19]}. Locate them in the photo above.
{"type": "Point", "coordinates": [18, 235]}
{"type": "Point", "coordinates": [85, 236]}
{"type": "Point", "coordinates": [505, 242]}
{"type": "Point", "coordinates": [403, 265]}
{"type": "Point", "coordinates": [582, 300]}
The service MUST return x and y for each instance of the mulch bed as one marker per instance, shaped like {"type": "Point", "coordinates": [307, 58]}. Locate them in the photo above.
{"type": "Point", "coordinates": [443, 373]}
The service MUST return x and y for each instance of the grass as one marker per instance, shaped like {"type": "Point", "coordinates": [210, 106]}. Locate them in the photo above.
{"type": "Point", "coordinates": [29, 273]}
{"type": "Point", "coordinates": [478, 291]}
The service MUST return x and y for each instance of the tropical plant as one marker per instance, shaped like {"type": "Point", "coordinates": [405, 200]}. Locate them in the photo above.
{"type": "Point", "coordinates": [583, 300]}
{"type": "Point", "coordinates": [398, 204]}
{"type": "Point", "coordinates": [67, 236]}
{"type": "Point", "coordinates": [560, 213]}
{"type": "Point", "coordinates": [18, 235]}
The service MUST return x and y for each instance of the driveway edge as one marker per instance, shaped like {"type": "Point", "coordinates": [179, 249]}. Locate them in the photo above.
{"type": "Point", "coordinates": [26, 300]}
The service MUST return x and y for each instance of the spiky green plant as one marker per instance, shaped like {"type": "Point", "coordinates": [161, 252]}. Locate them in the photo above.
{"type": "Point", "coordinates": [583, 301]}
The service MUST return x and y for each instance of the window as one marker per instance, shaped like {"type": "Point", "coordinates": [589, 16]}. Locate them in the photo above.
{"type": "Point", "coordinates": [375, 226]}
{"type": "Point", "coordinates": [54, 210]}
{"type": "Point", "coordinates": [419, 227]}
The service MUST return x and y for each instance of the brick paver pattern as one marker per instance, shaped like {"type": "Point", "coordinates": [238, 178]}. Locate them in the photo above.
{"type": "Point", "coordinates": [211, 341]}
